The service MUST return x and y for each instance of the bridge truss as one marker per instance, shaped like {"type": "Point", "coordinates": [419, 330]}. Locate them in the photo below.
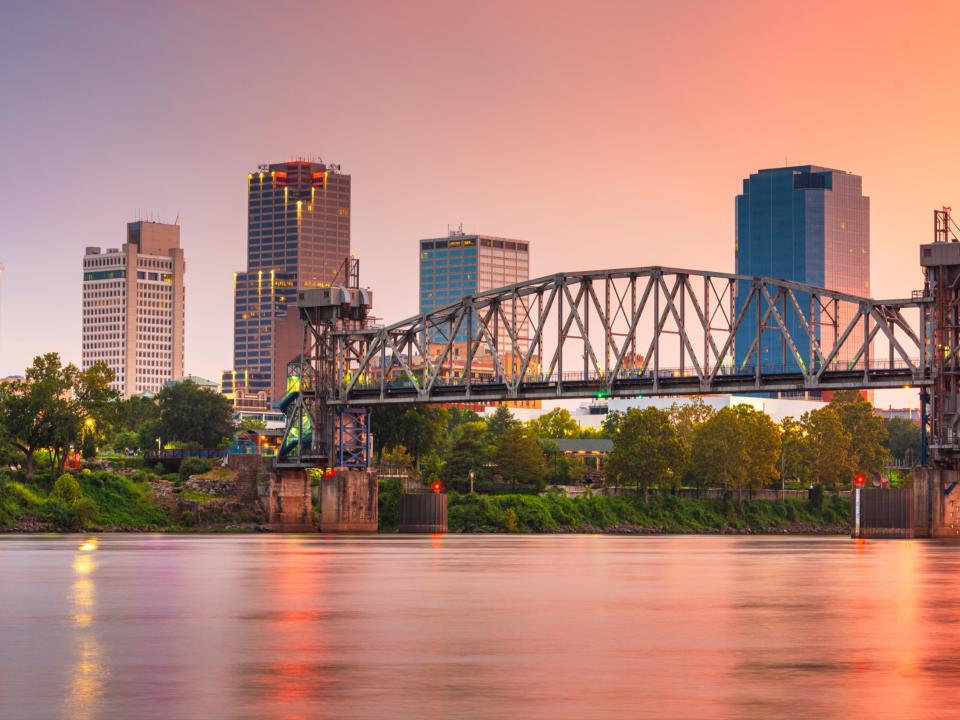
{"type": "Point", "coordinates": [636, 332]}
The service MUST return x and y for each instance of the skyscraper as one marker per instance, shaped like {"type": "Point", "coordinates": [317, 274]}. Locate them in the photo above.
{"type": "Point", "coordinates": [133, 308]}
{"type": "Point", "coordinates": [298, 235]}
{"type": "Point", "coordinates": [809, 224]}
{"type": "Point", "coordinates": [460, 264]}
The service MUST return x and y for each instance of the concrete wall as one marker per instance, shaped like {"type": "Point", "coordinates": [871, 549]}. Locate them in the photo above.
{"type": "Point", "coordinates": [348, 502]}
{"type": "Point", "coordinates": [936, 502]}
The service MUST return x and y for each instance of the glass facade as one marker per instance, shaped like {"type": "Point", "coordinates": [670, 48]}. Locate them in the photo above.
{"type": "Point", "coordinates": [298, 236]}
{"type": "Point", "coordinates": [808, 224]}
{"type": "Point", "coordinates": [461, 265]}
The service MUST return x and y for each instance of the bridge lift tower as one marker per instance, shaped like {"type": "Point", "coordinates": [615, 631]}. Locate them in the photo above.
{"type": "Point", "coordinates": [936, 493]}
{"type": "Point", "coordinates": [331, 440]}
{"type": "Point", "coordinates": [941, 268]}
{"type": "Point", "coordinates": [318, 435]}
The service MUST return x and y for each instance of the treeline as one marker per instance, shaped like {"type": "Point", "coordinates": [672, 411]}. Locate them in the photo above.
{"type": "Point", "coordinates": [58, 409]}
{"type": "Point", "coordinates": [689, 445]}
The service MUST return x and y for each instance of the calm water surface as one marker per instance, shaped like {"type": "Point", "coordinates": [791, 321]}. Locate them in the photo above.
{"type": "Point", "coordinates": [133, 626]}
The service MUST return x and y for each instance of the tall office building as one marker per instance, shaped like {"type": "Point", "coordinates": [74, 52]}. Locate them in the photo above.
{"type": "Point", "coordinates": [298, 236]}
{"type": "Point", "coordinates": [133, 308]}
{"type": "Point", "coordinates": [809, 224]}
{"type": "Point", "coordinates": [461, 264]}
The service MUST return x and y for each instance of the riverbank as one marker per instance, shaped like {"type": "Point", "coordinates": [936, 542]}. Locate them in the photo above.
{"type": "Point", "coordinates": [141, 501]}
{"type": "Point", "coordinates": [630, 515]}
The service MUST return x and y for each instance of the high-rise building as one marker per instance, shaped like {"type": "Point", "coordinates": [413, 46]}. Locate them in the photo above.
{"type": "Point", "coordinates": [809, 224]}
{"type": "Point", "coordinates": [460, 264]}
{"type": "Point", "coordinates": [133, 308]}
{"type": "Point", "coordinates": [298, 236]}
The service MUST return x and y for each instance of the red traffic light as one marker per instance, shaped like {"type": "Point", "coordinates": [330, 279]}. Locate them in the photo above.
{"type": "Point", "coordinates": [859, 480]}
{"type": "Point", "coordinates": [437, 487]}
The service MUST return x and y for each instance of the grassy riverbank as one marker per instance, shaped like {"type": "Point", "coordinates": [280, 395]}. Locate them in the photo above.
{"type": "Point", "coordinates": [140, 501]}
{"type": "Point", "coordinates": [107, 501]}
{"type": "Point", "coordinates": [628, 514]}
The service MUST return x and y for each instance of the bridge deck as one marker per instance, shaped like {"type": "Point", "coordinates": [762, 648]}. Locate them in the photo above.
{"type": "Point", "coordinates": [576, 386]}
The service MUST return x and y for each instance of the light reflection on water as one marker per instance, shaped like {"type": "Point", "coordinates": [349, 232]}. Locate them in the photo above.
{"type": "Point", "coordinates": [477, 627]}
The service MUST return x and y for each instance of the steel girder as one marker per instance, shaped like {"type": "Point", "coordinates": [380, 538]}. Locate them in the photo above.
{"type": "Point", "coordinates": [630, 332]}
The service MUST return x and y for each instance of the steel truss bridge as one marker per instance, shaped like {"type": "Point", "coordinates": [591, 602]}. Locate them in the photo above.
{"type": "Point", "coordinates": [630, 332]}
{"type": "Point", "coordinates": [618, 333]}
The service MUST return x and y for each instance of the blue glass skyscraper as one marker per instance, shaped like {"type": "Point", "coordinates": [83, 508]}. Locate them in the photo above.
{"type": "Point", "coordinates": [808, 224]}
{"type": "Point", "coordinates": [460, 265]}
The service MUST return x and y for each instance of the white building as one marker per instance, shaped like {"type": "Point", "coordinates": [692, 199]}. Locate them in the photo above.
{"type": "Point", "coordinates": [133, 308]}
{"type": "Point", "coordinates": [591, 414]}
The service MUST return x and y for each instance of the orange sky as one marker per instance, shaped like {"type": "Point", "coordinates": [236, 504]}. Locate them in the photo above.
{"type": "Point", "coordinates": [608, 134]}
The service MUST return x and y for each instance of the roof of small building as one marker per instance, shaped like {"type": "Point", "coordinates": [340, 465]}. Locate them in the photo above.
{"type": "Point", "coordinates": [600, 445]}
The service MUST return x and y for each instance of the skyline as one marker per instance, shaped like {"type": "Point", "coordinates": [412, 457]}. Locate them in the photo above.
{"type": "Point", "coordinates": [623, 147]}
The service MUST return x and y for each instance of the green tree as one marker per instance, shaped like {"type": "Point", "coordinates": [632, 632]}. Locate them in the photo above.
{"type": "Point", "coordinates": [794, 451]}
{"type": "Point", "coordinates": [868, 435]}
{"type": "Point", "coordinates": [148, 433]}
{"type": "Point", "coordinates": [611, 423]}
{"type": "Point", "coordinates": [828, 447]}
{"type": "Point", "coordinates": [501, 421]}
{"type": "Point", "coordinates": [53, 407]}
{"type": "Point", "coordinates": [646, 450]}
{"type": "Point", "coordinates": [386, 425]}
{"type": "Point", "coordinates": [252, 423]}
{"type": "Point", "coordinates": [762, 439]}
{"type": "Point", "coordinates": [133, 412]}
{"type": "Point", "coordinates": [423, 429]}
{"type": "Point", "coordinates": [418, 428]}
{"type": "Point", "coordinates": [719, 453]}
{"type": "Point", "coordinates": [555, 425]}
{"type": "Point", "coordinates": [686, 418]}
{"type": "Point", "coordinates": [397, 457]}
{"type": "Point", "coordinates": [193, 415]}
{"type": "Point", "coordinates": [904, 440]}
{"type": "Point", "coordinates": [518, 457]}
{"type": "Point", "coordinates": [126, 440]}
{"type": "Point", "coordinates": [469, 452]}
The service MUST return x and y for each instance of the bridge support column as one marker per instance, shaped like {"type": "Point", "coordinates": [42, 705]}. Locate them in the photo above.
{"type": "Point", "coordinates": [287, 502]}
{"type": "Point", "coordinates": [348, 502]}
{"type": "Point", "coordinates": [936, 495]}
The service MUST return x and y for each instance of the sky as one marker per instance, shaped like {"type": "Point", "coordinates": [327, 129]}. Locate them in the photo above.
{"type": "Point", "coordinates": [608, 134]}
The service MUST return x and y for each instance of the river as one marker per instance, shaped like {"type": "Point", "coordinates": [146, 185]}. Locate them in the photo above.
{"type": "Point", "coordinates": [267, 626]}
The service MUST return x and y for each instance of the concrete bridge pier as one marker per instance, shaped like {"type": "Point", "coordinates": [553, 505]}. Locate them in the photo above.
{"type": "Point", "coordinates": [287, 502]}
{"type": "Point", "coordinates": [936, 499]}
{"type": "Point", "coordinates": [348, 502]}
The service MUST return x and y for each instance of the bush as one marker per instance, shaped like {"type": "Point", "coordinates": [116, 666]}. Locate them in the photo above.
{"type": "Point", "coordinates": [388, 503]}
{"type": "Point", "coordinates": [67, 489]}
{"type": "Point", "coordinates": [194, 466]}
{"type": "Point", "coordinates": [122, 502]}
{"type": "Point", "coordinates": [510, 520]}
{"type": "Point", "coordinates": [667, 513]}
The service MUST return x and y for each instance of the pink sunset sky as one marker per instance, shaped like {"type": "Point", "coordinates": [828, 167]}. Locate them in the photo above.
{"type": "Point", "coordinates": [608, 134]}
